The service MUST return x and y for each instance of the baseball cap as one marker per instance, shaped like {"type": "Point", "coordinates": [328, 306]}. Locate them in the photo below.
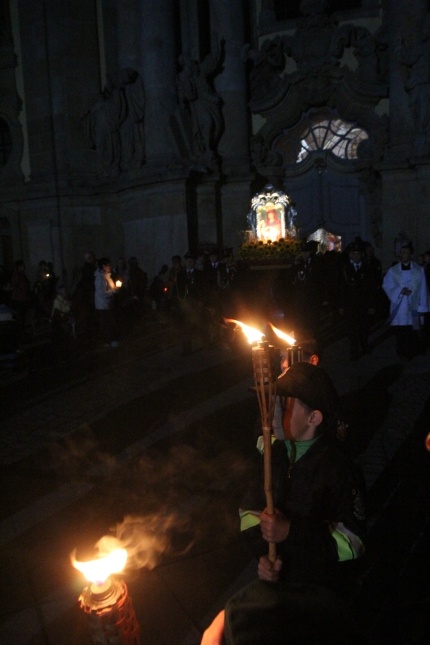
{"type": "Point", "coordinates": [312, 385]}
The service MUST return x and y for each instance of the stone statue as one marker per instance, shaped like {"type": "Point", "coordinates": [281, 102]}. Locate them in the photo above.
{"type": "Point", "coordinates": [372, 67]}
{"type": "Point", "coordinates": [114, 125]}
{"type": "Point", "coordinates": [197, 95]}
{"type": "Point", "coordinates": [129, 82]}
{"type": "Point", "coordinates": [268, 63]}
{"type": "Point", "coordinates": [261, 155]}
{"type": "Point", "coordinates": [102, 124]}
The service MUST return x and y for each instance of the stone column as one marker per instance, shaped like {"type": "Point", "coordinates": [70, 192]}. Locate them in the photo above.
{"type": "Point", "coordinates": [232, 191]}
{"type": "Point", "coordinates": [158, 71]}
{"type": "Point", "coordinates": [128, 34]}
{"type": "Point", "coordinates": [190, 28]}
{"type": "Point", "coordinates": [227, 22]}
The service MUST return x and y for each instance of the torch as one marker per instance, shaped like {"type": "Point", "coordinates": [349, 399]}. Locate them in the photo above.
{"type": "Point", "coordinates": [265, 374]}
{"type": "Point", "coordinates": [106, 602]}
{"type": "Point", "coordinates": [294, 353]}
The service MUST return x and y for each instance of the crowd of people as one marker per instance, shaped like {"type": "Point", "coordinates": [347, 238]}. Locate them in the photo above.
{"type": "Point", "coordinates": [308, 545]}
{"type": "Point", "coordinates": [199, 290]}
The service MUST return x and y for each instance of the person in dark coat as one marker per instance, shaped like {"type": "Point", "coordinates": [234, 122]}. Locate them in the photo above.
{"type": "Point", "coordinates": [136, 290]}
{"type": "Point", "coordinates": [159, 289]}
{"type": "Point", "coordinates": [357, 295]}
{"type": "Point", "coordinates": [190, 289]}
{"type": "Point", "coordinates": [309, 289]}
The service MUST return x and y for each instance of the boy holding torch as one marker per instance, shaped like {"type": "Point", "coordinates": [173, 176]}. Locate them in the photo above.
{"type": "Point", "coordinates": [318, 524]}
{"type": "Point", "coordinates": [319, 492]}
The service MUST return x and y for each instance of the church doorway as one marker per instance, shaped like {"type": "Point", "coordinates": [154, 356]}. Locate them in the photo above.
{"type": "Point", "coordinates": [322, 176]}
{"type": "Point", "coordinates": [328, 199]}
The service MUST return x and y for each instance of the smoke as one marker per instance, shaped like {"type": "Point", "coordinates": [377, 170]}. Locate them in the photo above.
{"type": "Point", "coordinates": [175, 497]}
{"type": "Point", "coordinates": [176, 503]}
{"type": "Point", "coordinates": [148, 538]}
{"type": "Point", "coordinates": [172, 502]}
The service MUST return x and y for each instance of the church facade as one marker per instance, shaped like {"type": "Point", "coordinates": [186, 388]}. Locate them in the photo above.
{"type": "Point", "coordinates": [145, 127]}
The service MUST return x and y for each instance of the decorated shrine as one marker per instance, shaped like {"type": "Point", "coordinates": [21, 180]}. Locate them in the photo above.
{"type": "Point", "coordinates": [271, 235]}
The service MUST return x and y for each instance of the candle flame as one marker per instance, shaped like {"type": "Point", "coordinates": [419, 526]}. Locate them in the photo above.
{"type": "Point", "coordinates": [283, 336]}
{"type": "Point", "coordinates": [252, 335]}
{"type": "Point", "coordinates": [98, 571]}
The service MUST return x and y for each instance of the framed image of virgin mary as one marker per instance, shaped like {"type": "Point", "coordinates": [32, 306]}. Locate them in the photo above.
{"type": "Point", "coordinates": [270, 221]}
{"type": "Point", "coordinates": [268, 214]}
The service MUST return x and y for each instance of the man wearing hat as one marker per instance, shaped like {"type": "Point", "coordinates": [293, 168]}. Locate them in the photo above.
{"type": "Point", "coordinates": [356, 298]}
{"type": "Point", "coordinates": [318, 525]}
{"type": "Point", "coordinates": [406, 288]}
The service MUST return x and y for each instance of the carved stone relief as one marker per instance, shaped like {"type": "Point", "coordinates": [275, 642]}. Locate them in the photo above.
{"type": "Point", "coordinates": [114, 125]}
{"type": "Point", "coordinates": [198, 122]}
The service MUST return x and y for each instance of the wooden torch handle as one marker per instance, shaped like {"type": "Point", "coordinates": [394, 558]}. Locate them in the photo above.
{"type": "Point", "coordinates": [266, 389]}
{"type": "Point", "coordinates": [267, 431]}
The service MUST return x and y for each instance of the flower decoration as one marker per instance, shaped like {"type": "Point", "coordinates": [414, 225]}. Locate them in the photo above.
{"type": "Point", "coordinates": [283, 250]}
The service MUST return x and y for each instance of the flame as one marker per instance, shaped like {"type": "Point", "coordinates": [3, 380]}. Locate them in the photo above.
{"type": "Point", "coordinates": [118, 283]}
{"type": "Point", "coordinates": [283, 336]}
{"type": "Point", "coordinates": [252, 335]}
{"type": "Point", "coordinates": [98, 571]}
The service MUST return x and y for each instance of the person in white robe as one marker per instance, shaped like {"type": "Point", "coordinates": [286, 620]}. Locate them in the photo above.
{"type": "Point", "coordinates": [406, 288]}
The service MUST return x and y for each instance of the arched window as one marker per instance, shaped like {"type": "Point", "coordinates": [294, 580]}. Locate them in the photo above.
{"type": "Point", "coordinates": [338, 136]}
{"type": "Point", "coordinates": [318, 133]}
{"type": "Point", "coordinates": [5, 142]}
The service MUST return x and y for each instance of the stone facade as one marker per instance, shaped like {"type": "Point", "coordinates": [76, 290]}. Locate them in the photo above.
{"type": "Point", "coordinates": [144, 127]}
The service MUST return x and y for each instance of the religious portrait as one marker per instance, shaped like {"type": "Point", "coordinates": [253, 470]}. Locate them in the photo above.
{"type": "Point", "coordinates": [270, 221]}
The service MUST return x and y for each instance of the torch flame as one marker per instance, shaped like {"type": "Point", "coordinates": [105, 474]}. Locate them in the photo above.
{"type": "Point", "coordinates": [252, 335]}
{"type": "Point", "coordinates": [98, 571]}
{"type": "Point", "coordinates": [283, 336]}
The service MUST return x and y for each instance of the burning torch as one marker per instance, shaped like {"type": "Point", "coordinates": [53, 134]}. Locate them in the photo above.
{"type": "Point", "coordinates": [106, 602]}
{"type": "Point", "coordinates": [265, 375]}
{"type": "Point", "coordinates": [294, 353]}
